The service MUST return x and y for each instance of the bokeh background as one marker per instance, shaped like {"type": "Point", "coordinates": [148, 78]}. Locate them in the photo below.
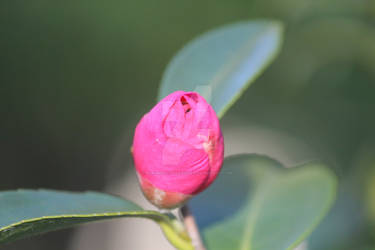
{"type": "Point", "coordinates": [76, 76]}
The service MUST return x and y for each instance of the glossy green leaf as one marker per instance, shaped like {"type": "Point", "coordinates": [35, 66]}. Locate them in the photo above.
{"type": "Point", "coordinates": [257, 204]}
{"type": "Point", "coordinates": [25, 213]}
{"type": "Point", "coordinates": [222, 63]}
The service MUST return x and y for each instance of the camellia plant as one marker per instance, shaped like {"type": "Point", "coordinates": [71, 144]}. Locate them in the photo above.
{"type": "Point", "coordinates": [244, 201]}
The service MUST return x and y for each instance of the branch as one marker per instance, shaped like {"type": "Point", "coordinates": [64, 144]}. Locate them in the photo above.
{"type": "Point", "coordinates": [192, 228]}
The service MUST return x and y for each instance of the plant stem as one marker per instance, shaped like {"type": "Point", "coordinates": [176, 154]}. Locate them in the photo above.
{"type": "Point", "coordinates": [192, 228]}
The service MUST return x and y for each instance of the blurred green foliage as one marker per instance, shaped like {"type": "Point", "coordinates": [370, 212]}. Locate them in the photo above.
{"type": "Point", "coordinates": [76, 75]}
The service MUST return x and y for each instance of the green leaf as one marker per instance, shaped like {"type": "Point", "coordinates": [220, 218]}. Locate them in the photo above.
{"type": "Point", "coordinates": [25, 213]}
{"type": "Point", "coordinates": [221, 63]}
{"type": "Point", "coordinates": [257, 204]}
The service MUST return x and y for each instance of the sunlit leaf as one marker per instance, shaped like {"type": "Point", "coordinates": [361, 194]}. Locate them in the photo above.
{"type": "Point", "coordinates": [221, 63]}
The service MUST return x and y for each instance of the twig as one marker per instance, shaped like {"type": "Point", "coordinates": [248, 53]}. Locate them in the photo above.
{"type": "Point", "coordinates": [192, 228]}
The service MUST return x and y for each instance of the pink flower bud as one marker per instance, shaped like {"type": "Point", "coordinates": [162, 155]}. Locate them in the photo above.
{"type": "Point", "coordinates": [178, 149]}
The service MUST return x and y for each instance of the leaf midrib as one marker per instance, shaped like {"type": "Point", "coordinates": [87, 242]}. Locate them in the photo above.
{"type": "Point", "coordinates": [255, 208]}
{"type": "Point", "coordinates": [236, 59]}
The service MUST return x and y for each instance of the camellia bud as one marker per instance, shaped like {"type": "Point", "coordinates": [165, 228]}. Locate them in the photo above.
{"type": "Point", "coordinates": [178, 149]}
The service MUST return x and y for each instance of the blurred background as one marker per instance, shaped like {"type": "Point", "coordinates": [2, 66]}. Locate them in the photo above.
{"type": "Point", "coordinates": [76, 76]}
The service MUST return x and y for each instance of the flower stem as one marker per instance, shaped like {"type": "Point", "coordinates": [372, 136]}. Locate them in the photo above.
{"type": "Point", "coordinates": [192, 228]}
